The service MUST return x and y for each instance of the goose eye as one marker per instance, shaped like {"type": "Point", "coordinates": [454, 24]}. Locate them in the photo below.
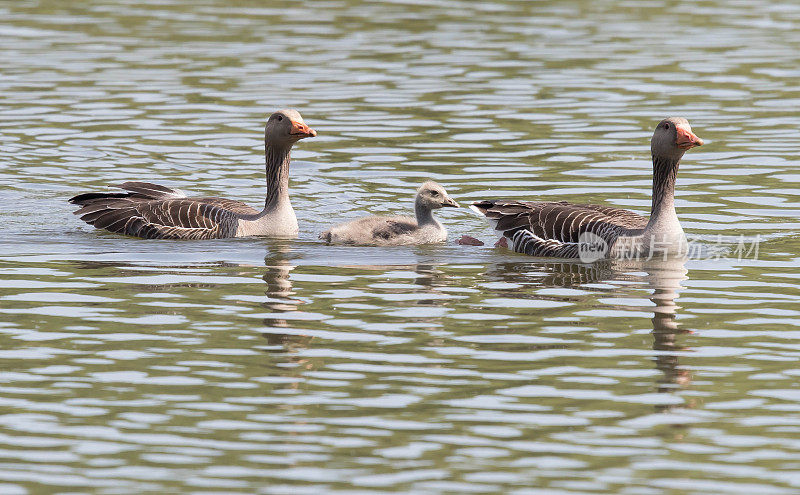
{"type": "Point", "coordinates": [434, 193]}
{"type": "Point", "coordinates": [280, 117]}
{"type": "Point", "coordinates": [666, 125]}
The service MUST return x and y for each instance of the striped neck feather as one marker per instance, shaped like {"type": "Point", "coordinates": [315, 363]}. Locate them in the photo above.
{"type": "Point", "coordinates": [277, 160]}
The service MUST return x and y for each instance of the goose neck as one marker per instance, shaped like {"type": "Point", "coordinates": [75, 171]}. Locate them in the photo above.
{"type": "Point", "coordinates": [277, 166]}
{"type": "Point", "coordinates": [665, 172]}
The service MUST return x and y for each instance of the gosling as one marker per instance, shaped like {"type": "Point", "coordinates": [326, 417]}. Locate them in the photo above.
{"type": "Point", "coordinates": [398, 230]}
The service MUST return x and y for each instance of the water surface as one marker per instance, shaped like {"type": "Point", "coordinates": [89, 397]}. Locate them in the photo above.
{"type": "Point", "coordinates": [258, 366]}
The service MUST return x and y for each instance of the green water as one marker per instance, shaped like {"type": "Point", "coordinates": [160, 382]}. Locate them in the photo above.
{"type": "Point", "coordinates": [258, 366]}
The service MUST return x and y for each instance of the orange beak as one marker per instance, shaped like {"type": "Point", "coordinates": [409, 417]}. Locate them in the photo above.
{"type": "Point", "coordinates": [685, 139]}
{"type": "Point", "coordinates": [301, 130]}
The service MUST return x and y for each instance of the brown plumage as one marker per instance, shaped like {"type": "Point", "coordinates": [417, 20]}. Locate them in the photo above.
{"type": "Point", "coordinates": [558, 229]}
{"type": "Point", "coordinates": [152, 211]}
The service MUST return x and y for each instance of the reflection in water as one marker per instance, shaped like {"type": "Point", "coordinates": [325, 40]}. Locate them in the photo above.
{"type": "Point", "coordinates": [548, 274]}
{"type": "Point", "coordinates": [279, 287]}
{"type": "Point", "coordinates": [286, 340]}
{"type": "Point", "coordinates": [663, 276]}
{"type": "Point", "coordinates": [139, 366]}
{"type": "Point", "coordinates": [279, 300]}
{"type": "Point", "coordinates": [430, 278]}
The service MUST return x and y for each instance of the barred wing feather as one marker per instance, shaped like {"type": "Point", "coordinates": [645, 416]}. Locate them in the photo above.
{"type": "Point", "coordinates": [553, 229]}
{"type": "Point", "coordinates": [157, 212]}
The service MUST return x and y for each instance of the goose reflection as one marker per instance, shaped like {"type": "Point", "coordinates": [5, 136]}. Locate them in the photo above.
{"type": "Point", "coordinates": [662, 276]}
{"type": "Point", "coordinates": [431, 279]}
{"type": "Point", "coordinates": [279, 292]}
{"type": "Point", "coordinates": [665, 277]}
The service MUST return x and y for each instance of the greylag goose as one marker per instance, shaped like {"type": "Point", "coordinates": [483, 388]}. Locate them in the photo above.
{"type": "Point", "coordinates": [152, 211]}
{"type": "Point", "coordinates": [566, 230]}
{"type": "Point", "coordinates": [396, 231]}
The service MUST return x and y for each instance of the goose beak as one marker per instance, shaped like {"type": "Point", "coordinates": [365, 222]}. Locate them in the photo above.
{"type": "Point", "coordinates": [451, 202]}
{"type": "Point", "coordinates": [301, 130]}
{"type": "Point", "coordinates": [686, 139]}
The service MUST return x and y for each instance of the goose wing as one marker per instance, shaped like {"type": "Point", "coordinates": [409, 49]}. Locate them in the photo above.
{"type": "Point", "coordinates": [157, 212]}
{"type": "Point", "coordinates": [554, 229]}
{"type": "Point", "coordinates": [228, 204]}
{"type": "Point", "coordinates": [385, 228]}
{"type": "Point", "coordinates": [137, 190]}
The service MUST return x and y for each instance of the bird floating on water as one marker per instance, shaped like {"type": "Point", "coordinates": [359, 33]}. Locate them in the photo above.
{"type": "Point", "coordinates": [563, 229]}
{"type": "Point", "coordinates": [398, 230]}
{"type": "Point", "coordinates": [153, 211]}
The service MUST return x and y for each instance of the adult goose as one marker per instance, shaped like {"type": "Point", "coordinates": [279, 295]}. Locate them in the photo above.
{"type": "Point", "coordinates": [152, 211]}
{"type": "Point", "coordinates": [398, 230]}
{"type": "Point", "coordinates": [566, 230]}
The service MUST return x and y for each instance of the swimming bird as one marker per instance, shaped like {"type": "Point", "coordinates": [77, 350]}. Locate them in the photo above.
{"type": "Point", "coordinates": [152, 211]}
{"type": "Point", "coordinates": [398, 230]}
{"type": "Point", "coordinates": [566, 230]}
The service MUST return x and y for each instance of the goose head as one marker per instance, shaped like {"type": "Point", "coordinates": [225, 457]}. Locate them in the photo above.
{"type": "Point", "coordinates": [432, 196]}
{"type": "Point", "coordinates": [286, 127]}
{"type": "Point", "coordinates": [672, 137]}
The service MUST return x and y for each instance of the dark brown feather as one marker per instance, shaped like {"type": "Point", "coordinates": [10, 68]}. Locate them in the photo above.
{"type": "Point", "coordinates": [554, 228]}
{"type": "Point", "coordinates": [87, 198]}
{"type": "Point", "coordinates": [157, 212]}
{"type": "Point", "coordinates": [150, 190]}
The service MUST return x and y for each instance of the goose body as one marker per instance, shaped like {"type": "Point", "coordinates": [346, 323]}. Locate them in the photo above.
{"type": "Point", "coordinates": [567, 230]}
{"type": "Point", "coordinates": [397, 230]}
{"type": "Point", "coordinates": [152, 211]}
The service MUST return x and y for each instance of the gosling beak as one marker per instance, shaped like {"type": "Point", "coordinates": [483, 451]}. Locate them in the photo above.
{"type": "Point", "coordinates": [301, 130]}
{"type": "Point", "coordinates": [451, 202]}
{"type": "Point", "coordinates": [685, 139]}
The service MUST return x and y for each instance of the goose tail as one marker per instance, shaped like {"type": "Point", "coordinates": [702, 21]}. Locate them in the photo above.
{"type": "Point", "coordinates": [481, 208]}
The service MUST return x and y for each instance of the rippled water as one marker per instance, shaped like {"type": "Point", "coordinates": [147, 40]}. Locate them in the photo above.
{"type": "Point", "coordinates": [258, 366]}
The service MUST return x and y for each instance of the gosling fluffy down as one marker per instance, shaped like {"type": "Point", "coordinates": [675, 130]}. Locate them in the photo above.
{"type": "Point", "coordinates": [398, 230]}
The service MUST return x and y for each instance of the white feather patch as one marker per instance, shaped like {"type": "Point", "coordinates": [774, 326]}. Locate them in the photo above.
{"type": "Point", "coordinates": [476, 210]}
{"type": "Point", "coordinates": [492, 222]}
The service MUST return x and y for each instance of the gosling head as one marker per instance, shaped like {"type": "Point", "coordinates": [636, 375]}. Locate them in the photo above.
{"type": "Point", "coordinates": [286, 127]}
{"type": "Point", "coordinates": [672, 137]}
{"type": "Point", "coordinates": [432, 196]}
